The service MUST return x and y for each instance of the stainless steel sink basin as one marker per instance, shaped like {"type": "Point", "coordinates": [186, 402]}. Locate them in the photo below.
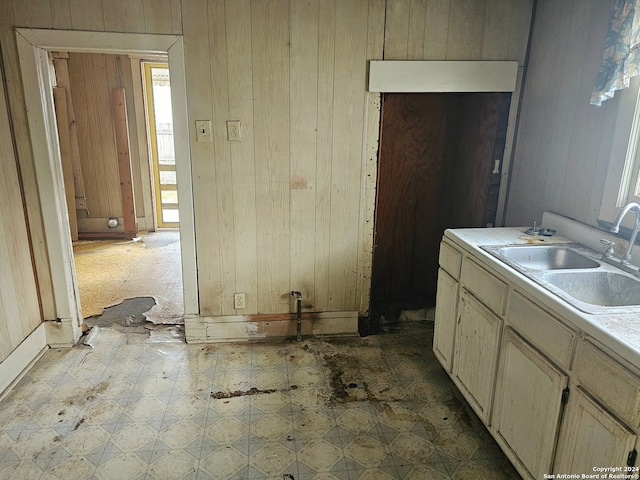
{"type": "Point", "coordinates": [606, 288]}
{"type": "Point", "coordinates": [543, 257]}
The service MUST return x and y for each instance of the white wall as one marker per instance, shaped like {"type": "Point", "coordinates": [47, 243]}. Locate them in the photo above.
{"type": "Point", "coordinates": [563, 142]}
{"type": "Point", "coordinates": [292, 205]}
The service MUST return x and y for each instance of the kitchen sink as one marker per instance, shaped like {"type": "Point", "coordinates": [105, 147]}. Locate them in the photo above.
{"type": "Point", "coordinates": [544, 257]}
{"type": "Point", "coordinates": [603, 288]}
{"type": "Point", "coordinates": [572, 272]}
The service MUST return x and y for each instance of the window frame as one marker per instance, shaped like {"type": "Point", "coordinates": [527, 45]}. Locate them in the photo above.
{"type": "Point", "coordinates": [621, 181]}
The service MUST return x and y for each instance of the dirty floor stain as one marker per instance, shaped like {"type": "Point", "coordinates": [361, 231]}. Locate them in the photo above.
{"type": "Point", "coordinates": [379, 407]}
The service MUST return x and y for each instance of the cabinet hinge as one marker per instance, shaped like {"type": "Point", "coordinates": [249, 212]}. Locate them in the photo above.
{"type": "Point", "coordinates": [631, 459]}
{"type": "Point", "coordinates": [565, 396]}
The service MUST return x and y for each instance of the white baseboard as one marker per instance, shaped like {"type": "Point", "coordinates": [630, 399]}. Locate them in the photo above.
{"type": "Point", "coordinates": [237, 328]}
{"type": "Point", "coordinates": [14, 367]}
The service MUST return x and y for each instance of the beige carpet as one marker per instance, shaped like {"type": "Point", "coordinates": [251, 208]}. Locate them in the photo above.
{"type": "Point", "coordinates": [110, 271]}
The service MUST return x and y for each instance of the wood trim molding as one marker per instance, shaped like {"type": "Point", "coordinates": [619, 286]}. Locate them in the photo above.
{"type": "Point", "coordinates": [442, 76]}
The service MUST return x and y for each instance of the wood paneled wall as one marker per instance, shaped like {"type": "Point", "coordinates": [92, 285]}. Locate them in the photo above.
{"type": "Point", "coordinates": [138, 16]}
{"type": "Point", "coordinates": [291, 206]}
{"type": "Point", "coordinates": [457, 29]}
{"type": "Point", "coordinates": [159, 16]}
{"type": "Point", "coordinates": [93, 76]}
{"type": "Point", "coordinates": [563, 142]}
{"type": "Point", "coordinates": [19, 306]}
{"type": "Point", "coordinates": [286, 210]}
{"type": "Point", "coordinates": [287, 214]}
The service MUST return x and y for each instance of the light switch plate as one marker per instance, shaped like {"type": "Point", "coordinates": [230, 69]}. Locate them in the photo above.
{"type": "Point", "coordinates": [203, 129]}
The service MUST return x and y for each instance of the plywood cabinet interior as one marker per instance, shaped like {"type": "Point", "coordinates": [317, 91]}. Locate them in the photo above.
{"type": "Point", "coordinates": [591, 437]}
{"type": "Point", "coordinates": [476, 353]}
{"type": "Point", "coordinates": [528, 405]}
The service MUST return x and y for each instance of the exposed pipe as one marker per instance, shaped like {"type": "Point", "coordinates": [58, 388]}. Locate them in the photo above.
{"type": "Point", "coordinates": [298, 296]}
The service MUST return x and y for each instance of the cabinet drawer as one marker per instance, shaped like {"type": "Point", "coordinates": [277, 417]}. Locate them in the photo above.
{"type": "Point", "coordinates": [484, 285]}
{"type": "Point", "coordinates": [608, 381]}
{"type": "Point", "coordinates": [541, 329]}
{"type": "Point", "coordinates": [450, 259]}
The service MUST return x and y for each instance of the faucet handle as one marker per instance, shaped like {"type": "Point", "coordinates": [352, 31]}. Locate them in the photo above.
{"type": "Point", "coordinates": [610, 248]}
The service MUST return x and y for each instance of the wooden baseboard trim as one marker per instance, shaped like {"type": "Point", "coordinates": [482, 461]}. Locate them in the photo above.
{"type": "Point", "coordinates": [257, 327]}
{"type": "Point", "coordinates": [18, 362]}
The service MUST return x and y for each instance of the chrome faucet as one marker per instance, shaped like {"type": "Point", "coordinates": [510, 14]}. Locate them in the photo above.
{"type": "Point", "coordinates": [634, 233]}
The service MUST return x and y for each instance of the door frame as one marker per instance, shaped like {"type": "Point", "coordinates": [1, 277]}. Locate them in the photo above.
{"type": "Point", "coordinates": [33, 48]}
{"type": "Point", "coordinates": [154, 149]}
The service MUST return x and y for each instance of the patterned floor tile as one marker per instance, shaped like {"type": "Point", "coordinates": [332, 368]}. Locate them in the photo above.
{"type": "Point", "coordinates": [176, 464]}
{"type": "Point", "coordinates": [370, 408]}
{"type": "Point", "coordinates": [224, 462]}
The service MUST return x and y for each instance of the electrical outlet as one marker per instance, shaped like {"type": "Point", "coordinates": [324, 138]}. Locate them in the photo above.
{"type": "Point", "coordinates": [203, 130]}
{"type": "Point", "coordinates": [239, 301]}
{"type": "Point", "coordinates": [233, 131]}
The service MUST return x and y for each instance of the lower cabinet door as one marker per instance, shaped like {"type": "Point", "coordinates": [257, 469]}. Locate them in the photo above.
{"type": "Point", "coordinates": [478, 333]}
{"type": "Point", "coordinates": [445, 324]}
{"type": "Point", "coordinates": [528, 406]}
{"type": "Point", "coordinates": [591, 438]}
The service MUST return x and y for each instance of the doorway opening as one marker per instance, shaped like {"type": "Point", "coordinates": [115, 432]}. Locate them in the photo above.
{"type": "Point", "coordinates": [439, 167]}
{"type": "Point", "coordinates": [113, 263]}
{"type": "Point", "coordinates": [34, 46]}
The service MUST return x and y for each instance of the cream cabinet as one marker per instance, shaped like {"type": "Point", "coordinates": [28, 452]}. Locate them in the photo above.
{"type": "Point", "coordinates": [590, 437]}
{"type": "Point", "coordinates": [601, 416]}
{"type": "Point", "coordinates": [446, 311]}
{"type": "Point", "coordinates": [450, 259]}
{"type": "Point", "coordinates": [530, 393]}
{"type": "Point", "coordinates": [476, 353]}
{"type": "Point", "coordinates": [555, 400]}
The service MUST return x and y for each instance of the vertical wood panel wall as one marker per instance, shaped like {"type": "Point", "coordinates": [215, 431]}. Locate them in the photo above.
{"type": "Point", "coordinates": [19, 306]}
{"type": "Point", "coordinates": [291, 206]}
{"type": "Point", "coordinates": [287, 210]}
{"type": "Point", "coordinates": [93, 76]}
{"type": "Point", "coordinates": [563, 143]}
{"type": "Point", "coordinates": [160, 16]}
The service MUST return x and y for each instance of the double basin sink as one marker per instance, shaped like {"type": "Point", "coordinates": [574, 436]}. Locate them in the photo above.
{"type": "Point", "coordinates": [574, 273]}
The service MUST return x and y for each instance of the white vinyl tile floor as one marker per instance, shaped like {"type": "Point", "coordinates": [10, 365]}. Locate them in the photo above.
{"type": "Point", "coordinates": [131, 407]}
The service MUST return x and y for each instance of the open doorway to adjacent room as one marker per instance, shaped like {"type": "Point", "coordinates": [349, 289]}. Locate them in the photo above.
{"type": "Point", "coordinates": [115, 129]}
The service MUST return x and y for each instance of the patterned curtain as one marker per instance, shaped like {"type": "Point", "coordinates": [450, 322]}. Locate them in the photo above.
{"type": "Point", "coordinates": [621, 58]}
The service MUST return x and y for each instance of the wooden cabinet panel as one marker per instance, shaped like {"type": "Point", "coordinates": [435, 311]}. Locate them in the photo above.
{"type": "Point", "coordinates": [513, 360]}
{"type": "Point", "coordinates": [485, 286]}
{"type": "Point", "coordinates": [590, 437]}
{"type": "Point", "coordinates": [450, 259]}
{"type": "Point", "coordinates": [445, 324]}
{"type": "Point", "coordinates": [476, 353]}
{"type": "Point", "coordinates": [528, 404]}
{"type": "Point", "coordinates": [542, 329]}
{"type": "Point", "coordinates": [608, 381]}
